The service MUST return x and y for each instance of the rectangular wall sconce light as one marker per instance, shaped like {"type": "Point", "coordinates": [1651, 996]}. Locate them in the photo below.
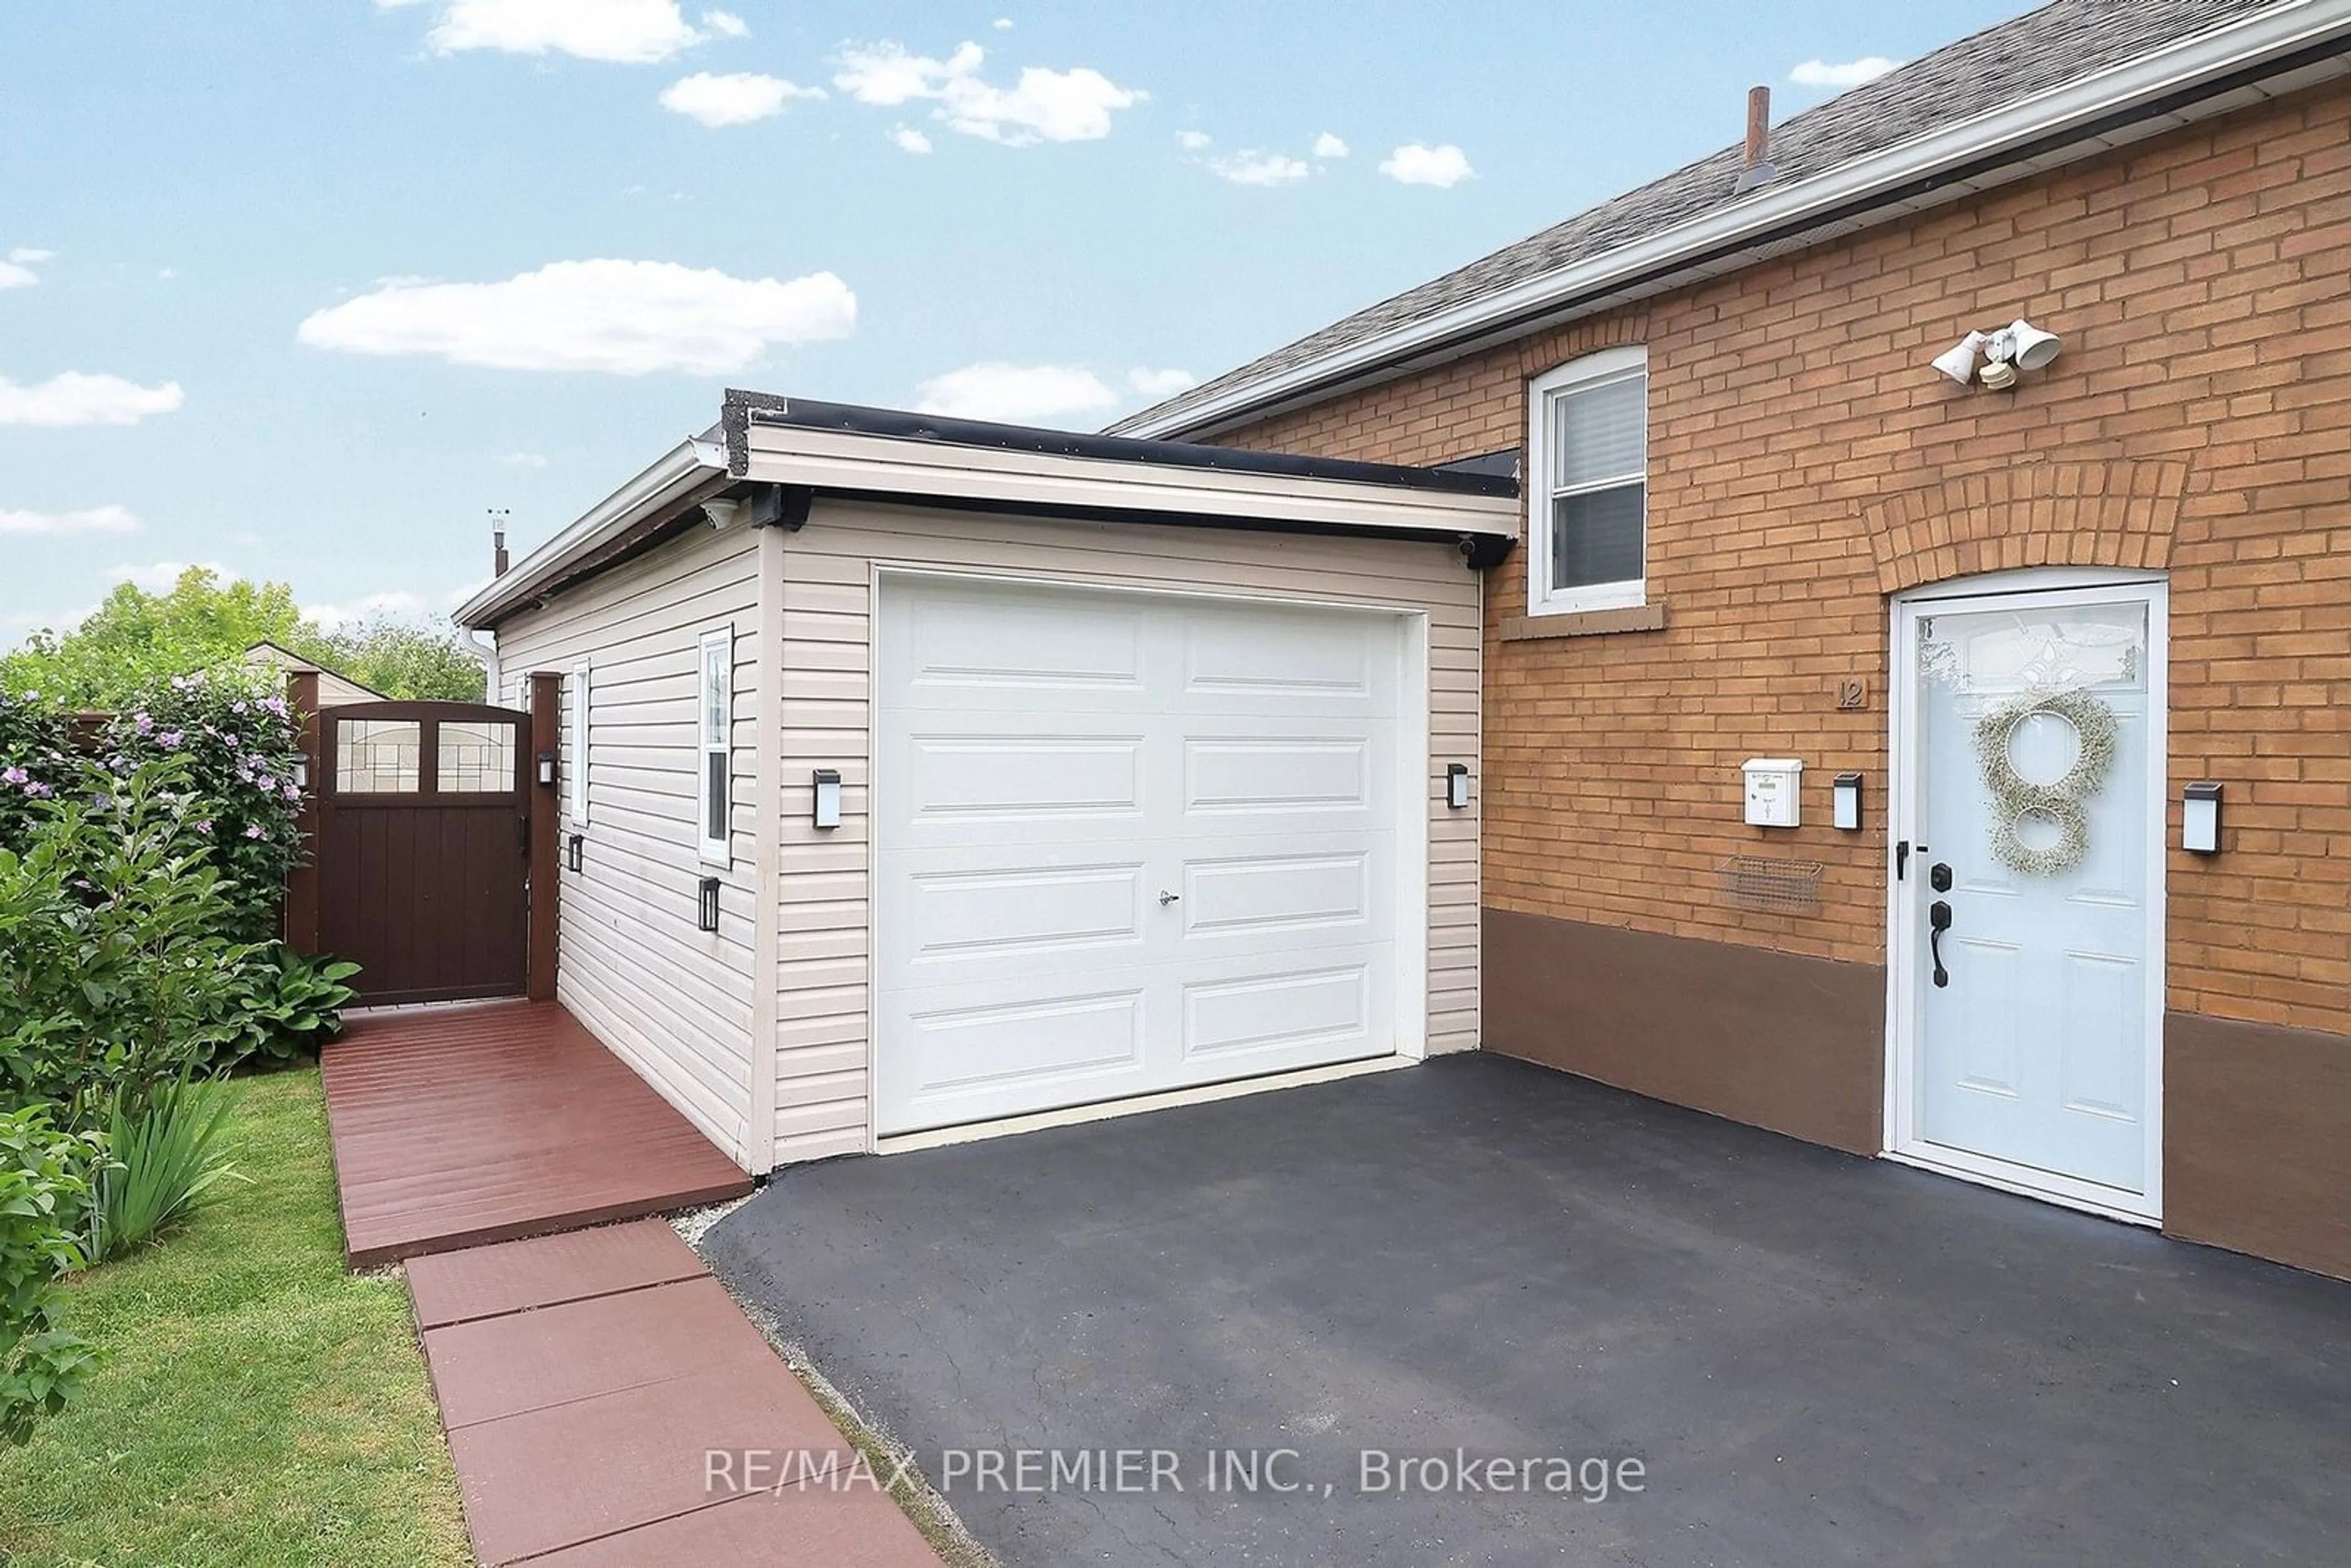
{"type": "Point", "coordinates": [1845, 796]}
{"type": "Point", "coordinates": [575, 852]}
{"type": "Point", "coordinates": [706, 910]}
{"type": "Point", "coordinates": [301, 770]}
{"type": "Point", "coordinates": [1457, 785]}
{"type": "Point", "coordinates": [827, 813]}
{"type": "Point", "coordinates": [2200, 819]}
{"type": "Point", "coordinates": [546, 767]}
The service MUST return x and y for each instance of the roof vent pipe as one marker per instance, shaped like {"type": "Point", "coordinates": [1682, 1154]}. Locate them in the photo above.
{"type": "Point", "coordinates": [1757, 169]}
{"type": "Point", "coordinates": [498, 562]}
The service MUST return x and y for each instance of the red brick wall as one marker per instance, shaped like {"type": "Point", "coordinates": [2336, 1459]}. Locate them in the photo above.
{"type": "Point", "coordinates": [1805, 461]}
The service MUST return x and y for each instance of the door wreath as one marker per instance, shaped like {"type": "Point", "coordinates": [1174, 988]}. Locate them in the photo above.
{"type": "Point", "coordinates": [2015, 797]}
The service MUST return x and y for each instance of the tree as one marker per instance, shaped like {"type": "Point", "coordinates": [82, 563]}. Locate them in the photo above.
{"type": "Point", "coordinates": [403, 660]}
{"type": "Point", "coordinates": [137, 638]}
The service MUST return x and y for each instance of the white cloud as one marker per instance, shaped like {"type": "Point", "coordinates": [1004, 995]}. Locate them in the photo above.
{"type": "Point", "coordinates": [16, 271]}
{"type": "Point", "coordinates": [1842, 73]}
{"type": "Point", "coordinates": [1003, 23]}
{"type": "Point", "coordinates": [1414, 164]}
{"type": "Point", "coordinates": [910, 140]}
{"type": "Point", "coordinates": [89, 521]}
{"type": "Point", "coordinates": [738, 97]}
{"type": "Point", "coordinates": [1329, 146]}
{"type": "Point", "coordinates": [1157, 384]}
{"type": "Point", "coordinates": [1254, 168]}
{"type": "Point", "coordinates": [1193, 141]}
{"type": "Point", "coordinates": [628, 32]}
{"type": "Point", "coordinates": [1040, 394]}
{"type": "Point", "coordinates": [160, 576]}
{"type": "Point", "coordinates": [725, 25]}
{"type": "Point", "coordinates": [1020, 395]}
{"type": "Point", "coordinates": [1040, 106]}
{"type": "Point", "coordinates": [374, 606]}
{"type": "Point", "coordinates": [73, 398]}
{"type": "Point", "coordinates": [622, 318]}
{"type": "Point", "coordinates": [522, 460]}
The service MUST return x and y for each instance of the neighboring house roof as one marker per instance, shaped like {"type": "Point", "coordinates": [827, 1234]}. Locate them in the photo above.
{"type": "Point", "coordinates": [335, 688]}
{"type": "Point", "coordinates": [2069, 80]}
{"type": "Point", "coordinates": [769, 457]}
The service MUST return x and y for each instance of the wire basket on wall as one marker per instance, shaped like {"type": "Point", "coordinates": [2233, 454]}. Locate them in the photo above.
{"type": "Point", "coordinates": [1772, 886]}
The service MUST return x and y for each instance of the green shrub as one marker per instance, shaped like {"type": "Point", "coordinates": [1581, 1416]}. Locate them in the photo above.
{"type": "Point", "coordinates": [115, 966]}
{"type": "Point", "coordinates": [163, 1154]}
{"type": "Point", "coordinates": [41, 1193]}
{"type": "Point", "coordinates": [283, 1005]}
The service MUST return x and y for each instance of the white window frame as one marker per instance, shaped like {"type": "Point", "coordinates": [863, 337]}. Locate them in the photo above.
{"type": "Point", "coordinates": [717, 843]}
{"type": "Point", "coordinates": [1610, 365]}
{"type": "Point", "coordinates": [575, 778]}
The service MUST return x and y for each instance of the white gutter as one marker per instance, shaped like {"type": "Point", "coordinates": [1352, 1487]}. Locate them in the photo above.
{"type": "Point", "coordinates": [2269, 35]}
{"type": "Point", "coordinates": [675, 474]}
{"type": "Point", "coordinates": [488, 653]}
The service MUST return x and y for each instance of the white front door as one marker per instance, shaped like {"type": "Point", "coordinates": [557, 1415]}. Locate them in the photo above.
{"type": "Point", "coordinates": [2027, 906]}
{"type": "Point", "coordinates": [1128, 842]}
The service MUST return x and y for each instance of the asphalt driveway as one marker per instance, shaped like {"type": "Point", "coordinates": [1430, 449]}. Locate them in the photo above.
{"type": "Point", "coordinates": [1814, 1359]}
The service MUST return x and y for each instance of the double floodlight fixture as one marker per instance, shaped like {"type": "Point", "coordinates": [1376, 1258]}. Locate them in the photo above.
{"type": "Point", "coordinates": [1994, 358]}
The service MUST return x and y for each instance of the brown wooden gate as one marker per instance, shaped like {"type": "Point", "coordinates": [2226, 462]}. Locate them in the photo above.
{"type": "Point", "coordinates": [423, 848]}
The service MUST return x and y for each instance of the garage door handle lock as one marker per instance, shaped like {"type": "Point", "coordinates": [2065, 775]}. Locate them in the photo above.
{"type": "Point", "coordinates": [1166, 898]}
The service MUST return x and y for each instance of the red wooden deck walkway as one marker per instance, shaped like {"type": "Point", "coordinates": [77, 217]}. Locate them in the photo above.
{"type": "Point", "coordinates": [459, 1126]}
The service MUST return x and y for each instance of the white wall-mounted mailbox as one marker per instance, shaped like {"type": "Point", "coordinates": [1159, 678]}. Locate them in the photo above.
{"type": "Point", "coordinates": [1775, 785]}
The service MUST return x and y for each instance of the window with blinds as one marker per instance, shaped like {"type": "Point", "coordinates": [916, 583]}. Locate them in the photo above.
{"type": "Point", "coordinates": [1588, 540]}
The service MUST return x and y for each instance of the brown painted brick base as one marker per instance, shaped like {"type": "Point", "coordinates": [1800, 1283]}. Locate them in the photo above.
{"type": "Point", "coordinates": [2257, 1119]}
{"type": "Point", "coordinates": [2257, 1140]}
{"type": "Point", "coordinates": [1791, 1043]}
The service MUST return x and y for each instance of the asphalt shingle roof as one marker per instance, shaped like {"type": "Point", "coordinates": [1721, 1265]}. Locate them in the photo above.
{"type": "Point", "coordinates": [1985, 71]}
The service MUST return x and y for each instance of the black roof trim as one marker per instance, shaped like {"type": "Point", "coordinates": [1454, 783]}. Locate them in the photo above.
{"type": "Point", "coordinates": [1503, 460]}
{"type": "Point", "coordinates": [743, 409]}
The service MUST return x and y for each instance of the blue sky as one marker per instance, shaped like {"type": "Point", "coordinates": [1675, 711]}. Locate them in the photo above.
{"type": "Point", "coordinates": [304, 293]}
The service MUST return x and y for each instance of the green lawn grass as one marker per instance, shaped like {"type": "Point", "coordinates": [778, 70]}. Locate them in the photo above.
{"type": "Point", "coordinates": [262, 1406]}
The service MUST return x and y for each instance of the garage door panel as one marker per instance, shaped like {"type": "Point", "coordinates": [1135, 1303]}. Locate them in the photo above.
{"type": "Point", "coordinates": [1277, 893]}
{"type": "Point", "coordinates": [1274, 661]}
{"type": "Point", "coordinates": [1228, 774]}
{"type": "Point", "coordinates": [1026, 913]}
{"type": "Point", "coordinates": [1265, 1020]}
{"type": "Point", "coordinates": [957, 646]}
{"type": "Point", "coordinates": [949, 1063]}
{"type": "Point", "coordinates": [963, 777]}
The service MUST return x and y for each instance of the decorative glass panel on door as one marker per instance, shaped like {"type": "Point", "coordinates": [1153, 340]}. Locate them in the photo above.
{"type": "Point", "coordinates": [378, 756]}
{"type": "Point", "coordinates": [476, 758]}
{"type": "Point", "coordinates": [2034, 762]}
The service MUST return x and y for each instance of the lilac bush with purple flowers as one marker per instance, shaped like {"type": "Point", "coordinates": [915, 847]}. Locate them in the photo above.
{"type": "Point", "coordinates": [237, 739]}
{"type": "Point", "coordinates": [36, 757]}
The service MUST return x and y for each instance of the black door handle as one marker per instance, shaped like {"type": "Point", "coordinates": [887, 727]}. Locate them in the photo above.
{"type": "Point", "coordinates": [1938, 920]}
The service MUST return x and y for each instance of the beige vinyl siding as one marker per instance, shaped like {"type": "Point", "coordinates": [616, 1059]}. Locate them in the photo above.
{"type": "Point", "coordinates": [675, 1002]}
{"type": "Point", "coordinates": [829, 584]}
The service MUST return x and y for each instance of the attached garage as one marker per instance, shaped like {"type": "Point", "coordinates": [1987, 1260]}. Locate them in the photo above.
{"type": "Point", "coordinates": [1131, 843]}
{"type": "Point", "coordinates": [1022, 775]}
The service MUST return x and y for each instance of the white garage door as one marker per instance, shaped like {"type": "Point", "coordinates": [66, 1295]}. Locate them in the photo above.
{"type": "Point", "coordinates": [1127, 843]}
